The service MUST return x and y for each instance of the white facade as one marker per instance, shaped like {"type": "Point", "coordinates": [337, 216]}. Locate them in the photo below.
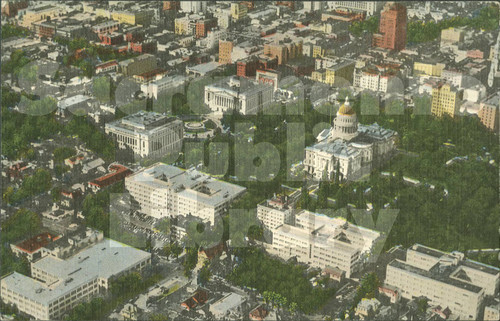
{"type": "Point", "coordinates": [166, 191]}
{"type": "Point", "coordinates": [377, 82]}
{"type": "Point", "coordinates": [275, 212]}
{"type": "Point", "coordinates": [148, 133]}
{"type": "Point", "coordinates": [445, 279]}
{"type": "Point", "coordinates": [348, 150]}
{"type": "Point", "coordinates": [194, 6]}
{"type": "Point", "coordinates": [370, 7]}
{"type": "Point", "coordinates": [157, 87]}
{"type": "Point", "coordinates": [238, 94]}
{"type": "Point", "coordinates": [322, 241]}
{"type": "Point", "coordinates": [57, 286]}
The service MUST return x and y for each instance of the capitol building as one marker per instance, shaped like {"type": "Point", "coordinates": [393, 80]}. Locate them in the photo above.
{"type": "Point", "coordinates": [350, 148]}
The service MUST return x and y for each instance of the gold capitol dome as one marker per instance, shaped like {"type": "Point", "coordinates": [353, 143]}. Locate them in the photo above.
{"type": "Point", "coordinates": [346, 108]}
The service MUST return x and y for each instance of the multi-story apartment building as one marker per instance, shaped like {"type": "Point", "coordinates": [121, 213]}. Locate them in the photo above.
{"type": "Point", "coordinates": [434, 68]}
{"type": "Point", "coordinates": [376, 80]}
{"type": "Point", "coordinates": [225, 50]}
{"type": "Point", "coordinates": [370, 7]}
{"type": "Point", "coordinates": [451, 36]}
{"type": "Point", "coordinates": [284, 50]}
{"type": "Point", "coordinates": [166, 191]}
{"type": "Point", "coordinates": [488, 112]}
{"type": "Point", "coordinates": [340, 73]}
{"type": "Point", "coordinates": [324, 242]}
{"type": "Point", "coordinates": [11, 8]}
{"type": "Point", "coordinates": [392, 29]}
{"type": "Point", "coordinates": [238, 10]}
{"type": "Point", "coordinates": [310, 6]}
{"type": "Point", "coordinates": [445, 279]}
{"type": "Point", "coordinates": [453, 76]}
{"type": "Point", "coordinates": [446, 99]}
{"type": "Point", "coordinates": [57, 286]}
{"type": "Point", "coordinates": [203, 26]}
{"type": "Point", "coordinates": [275, 212]}
{"type": "Point", "coordinates": [238, 93]}
{"type": "Point", "coordinates": [138, 65]}
{"type": "Point", "coordinates": [171, 5]}
{"type": "Point", "coordinates": [148, 134]}
{"type": "Point", "coordinates": [142, 17]}
{"type": "Point", "coordinates": [194, 6]}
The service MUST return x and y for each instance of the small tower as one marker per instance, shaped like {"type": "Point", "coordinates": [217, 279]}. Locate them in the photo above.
{"type": "Point", "coordinates": [345, 125]}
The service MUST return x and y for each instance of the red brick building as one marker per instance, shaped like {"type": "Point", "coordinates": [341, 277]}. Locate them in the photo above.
{"type": "Point", "coordinates": [203, 26]}
{"type": "Point", "coordinates": [119, 172]}
{"type": "Point", "coordinates": [249, 4]}
{"type": "Point", "coordinates": [149, 46]}
{"type": "Point", "coordinates": [289, 4]}
{"type": "Point", "coordinates": [171, 5]}
{"type": "Point", "coordinates": [44, 29]}
{"type": "Point", "coordinates": [134, 36]}
{"type": "Point", "coordinates": [225, 50]}
{"type": "Point", "coordinates": [112, 39]}
{"type": "Point", "coordinates": [248, 67]}
{"type": "Point", "coordinates": [392, 29]}
{"type": "Point", "coordinates": [12, 7]}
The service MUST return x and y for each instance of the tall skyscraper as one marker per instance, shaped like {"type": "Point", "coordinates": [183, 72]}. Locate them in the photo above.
{"type": "Point", "coordinates": [392, 29]}
{"type": "Point", "coordinates": [445, 99]}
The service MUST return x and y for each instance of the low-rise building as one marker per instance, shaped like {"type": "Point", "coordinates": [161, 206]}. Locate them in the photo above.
{"type": "Point", "coordinates": [118, 174]}
{"type": "Point", "coordinates": [32, 248]}
{"type": "Point", "coordinates": [446, 279]}
{"type": "Point", "coordinates": [148, 133]}
{"type": "Point", "coordinates": [227, 307]}
{"type": "Point", "coordinates": [166, 191]}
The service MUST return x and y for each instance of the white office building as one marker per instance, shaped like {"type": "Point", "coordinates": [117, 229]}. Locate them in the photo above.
{"type": "Point", "coordinates": [369, 7]}
{"type": "Point", "coordinates": [148, 134]}
{"type": "Point", "coordinates": [446, 279]}
{"type": "Point", "coordinates": [322, 242]}
{"type": "Point", "coordinates": [194, 6]}
{"type": "Point", "coordinates": [162, 190]}
{"type": "Point", "coordinates": [157, 87]}
{"type": "Point", "coordinates": [57, 286]}
{"type": "Point", "coordinates": [275, 212]}
{"type": "Point", "coordinates": [240, 94]}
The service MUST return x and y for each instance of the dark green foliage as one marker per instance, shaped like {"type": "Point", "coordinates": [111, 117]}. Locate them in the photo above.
{"type": "Point", "coordinates": [61, 153]}
{"type": "Point", "coordinates": [370, 25]}
{"type": "Point", "coordinates": [23, 224]}
{"type": "Point", "coordinates": [9, 30]}
{"type": "Point", "coordinates": [95, 140]}
{"type": "Point", "coordinates": [19, 129]}
{"type": "Point", "coordinates": [487, 19]}
{"type": "Point", "coordinates": [264, 273]}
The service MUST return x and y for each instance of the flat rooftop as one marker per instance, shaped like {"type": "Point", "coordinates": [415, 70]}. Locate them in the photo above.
{"type": "Point", "coordinates": [436, 275]}
{"type": "Point", "coordinates": [142, 122]}
{"type": "Point", "coordinates": [104, 259]}
{"type": "Point", "coordinates": [188, 183]}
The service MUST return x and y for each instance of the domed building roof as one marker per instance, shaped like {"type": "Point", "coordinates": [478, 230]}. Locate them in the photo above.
{"type": "Point", "coordinates": [346, 108]}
